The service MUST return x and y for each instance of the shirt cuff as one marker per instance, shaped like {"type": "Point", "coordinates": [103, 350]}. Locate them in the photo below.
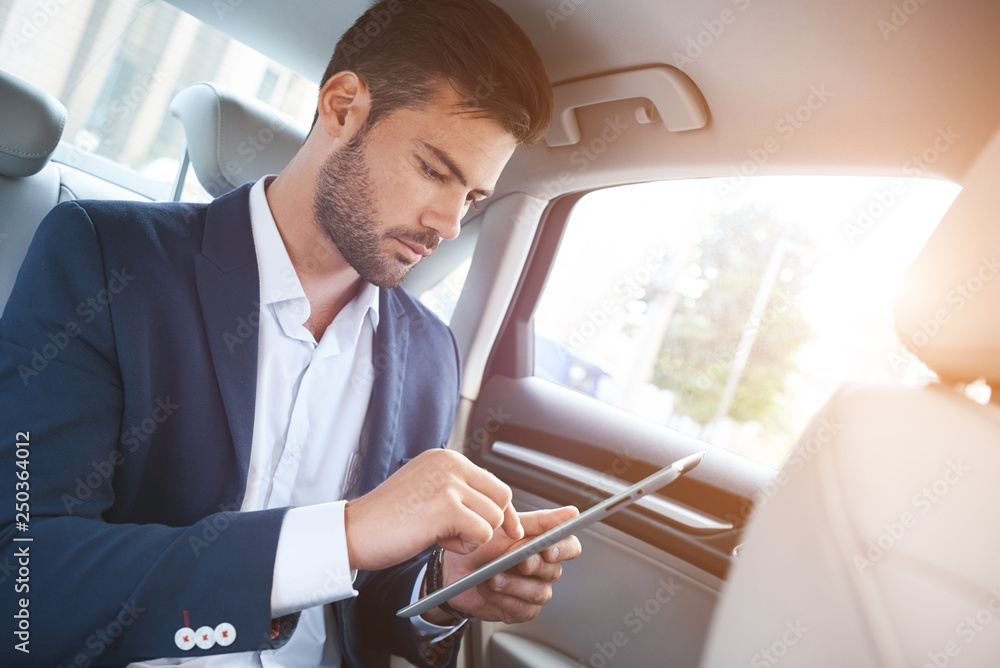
{"type": "Point", "coordinates": [424, 627]}
{"type": "Point", "coordinates": [311, 566]}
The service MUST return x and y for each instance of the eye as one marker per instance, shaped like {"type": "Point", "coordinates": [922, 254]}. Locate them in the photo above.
{"type": "Point", "coordinates": [472, 201]}
{"type": "Point", "coordinates": [430, 172]}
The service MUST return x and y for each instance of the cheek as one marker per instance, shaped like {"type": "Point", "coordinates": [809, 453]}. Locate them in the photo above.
{"type": "Point", "coordinates": [401, 195]}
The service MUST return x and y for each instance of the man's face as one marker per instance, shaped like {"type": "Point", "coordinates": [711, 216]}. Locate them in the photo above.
{"type": "Point", "coordinates": [387, 202]}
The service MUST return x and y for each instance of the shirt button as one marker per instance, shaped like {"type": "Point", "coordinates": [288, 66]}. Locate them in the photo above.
{"type": "Point", "coordinates": [205, 637]}
{"type": "Point", "coordinates": [225, 634]}
{"type": "Point", "coordinates": [184, 638]}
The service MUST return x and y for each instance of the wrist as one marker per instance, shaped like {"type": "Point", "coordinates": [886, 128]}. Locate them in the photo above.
{"type": "Point", "coordinates": [352, 552]}
{"type": "Point", "coordinates": [434, 579]}
{"type": "Point", "coordinates": [434, 615]}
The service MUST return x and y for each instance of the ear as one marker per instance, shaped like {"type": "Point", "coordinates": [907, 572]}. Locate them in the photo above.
{"type": "Point", "coordinates": [343, 105]}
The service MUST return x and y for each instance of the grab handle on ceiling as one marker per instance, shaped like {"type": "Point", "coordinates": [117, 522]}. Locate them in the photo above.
{"type": "Point", "coordinates": [674, 96]}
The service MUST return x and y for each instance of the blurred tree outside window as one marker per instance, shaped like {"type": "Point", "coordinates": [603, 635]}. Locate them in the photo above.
{"type": "Point", "coordinates": [731, 318]}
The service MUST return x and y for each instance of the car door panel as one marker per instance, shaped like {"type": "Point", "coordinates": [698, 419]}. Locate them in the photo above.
{"type": "Point", "coordinates": [555, 446]}
{"type": "Point", "coordinates": [624, 603]}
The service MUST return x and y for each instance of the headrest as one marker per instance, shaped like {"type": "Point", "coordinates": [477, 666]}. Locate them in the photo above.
{"type": "Point", "coordinates": [948, 305]}
{"type": "Point", "coordinates": [31, 123]}
{"type": "Point", "coordinates": [233, 139]}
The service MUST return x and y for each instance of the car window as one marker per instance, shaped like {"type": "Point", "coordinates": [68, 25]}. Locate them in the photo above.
{"type": "Point", "coordinates": [731, 311]}
{"type": "Point", "coordinates": [443, 297]}
{"type": "Point", "coordinates": [116, 65]}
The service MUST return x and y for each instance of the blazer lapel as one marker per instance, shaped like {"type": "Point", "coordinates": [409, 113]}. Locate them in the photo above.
{"type": "Point", "coordinates": [392, 342]}
{"type": "Point", "coordinates": [229, 290]}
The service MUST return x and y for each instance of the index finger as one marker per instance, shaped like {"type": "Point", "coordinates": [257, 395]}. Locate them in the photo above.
{"type": "Point", "coordinates": [512, 523]}
{"type": "Point", "coordinates": [494, 488]}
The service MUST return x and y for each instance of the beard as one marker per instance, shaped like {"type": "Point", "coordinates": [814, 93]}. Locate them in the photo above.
{"type": "Point", "coordinates": [344, 209]}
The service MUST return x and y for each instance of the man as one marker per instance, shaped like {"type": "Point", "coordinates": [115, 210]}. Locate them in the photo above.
{"type": "Point", "coordinates": [201, 492]}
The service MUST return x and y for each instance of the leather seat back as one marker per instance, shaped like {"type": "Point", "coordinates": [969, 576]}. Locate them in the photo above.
{"type": "Point", "coordinates": [880, 546]}
{"type": "Point", "coordinates": [233, 139]}
{"type": "Point", "coordinates": [31, 123]}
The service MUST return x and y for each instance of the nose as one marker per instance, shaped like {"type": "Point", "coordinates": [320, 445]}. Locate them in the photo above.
{"type": "Point", "coordinates": [445, 217]}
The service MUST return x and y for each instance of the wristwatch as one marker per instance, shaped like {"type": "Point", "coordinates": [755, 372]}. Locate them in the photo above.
{"type": "Point", "coordinates": [434, 580]}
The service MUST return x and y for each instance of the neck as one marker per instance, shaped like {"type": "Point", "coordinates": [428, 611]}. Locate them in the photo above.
{"type": "Point", "coordinates": [328, 281]}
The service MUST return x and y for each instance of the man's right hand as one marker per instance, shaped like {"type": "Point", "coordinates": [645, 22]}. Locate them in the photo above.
{"type": "Point", "coordinates": [437, 497]}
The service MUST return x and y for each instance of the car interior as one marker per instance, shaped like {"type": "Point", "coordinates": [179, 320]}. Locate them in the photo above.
{"type": "Point", "coordinates": [765, 230]}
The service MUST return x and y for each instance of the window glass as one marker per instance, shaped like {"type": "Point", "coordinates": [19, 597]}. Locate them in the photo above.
{"type": "Point", "coordinates": [731, 314]}
{"type": "Point", "coordinates": [443, 297]}
{"type": "Point", "coordinates": [116, 65]}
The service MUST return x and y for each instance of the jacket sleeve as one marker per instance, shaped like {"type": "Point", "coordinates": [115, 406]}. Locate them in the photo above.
{"type": "Point", "coordinates": [388, 591]}
{"type": "Point", "coordinates": [79, 589]}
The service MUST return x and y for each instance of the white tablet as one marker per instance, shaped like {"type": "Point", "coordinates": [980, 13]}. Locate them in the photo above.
{"type": "Point", "coordinates": [595, 513]}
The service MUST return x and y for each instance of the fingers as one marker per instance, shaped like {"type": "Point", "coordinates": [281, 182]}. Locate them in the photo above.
{"type": "Point", "coordinates": [489, 500]}
{"type": "Point", "coordinates": [493, 488]}
{"type": "Point", "coordinates": [518, 594]}
{"type": "Point", "coordinates": [466, 533]}
{"type": "Point", "coordinates": [532, 579]}
{"type": "Point", "coordinates": [512, 523]}
{"type": "Point", "coordinates": [504, 608]}
{"type": "Point", "coordinates": [438, 496]}
{"type": "Point", "coordinates": [487, 496]}
{"type": "Point", "coordinates": [482, 506]}
{"type": "Point", "coordinates": [540, 521]}
{"type": "Point", "coordinates": [514, 598]}
{"type": "Point", "coordinates": [565, 550]}
{"type": "Point", "coordinates": [547, 565]}
{"type": "Point", "coordinates": [538, 568]}
{"type": "Point", "coordinates": [529, 590]}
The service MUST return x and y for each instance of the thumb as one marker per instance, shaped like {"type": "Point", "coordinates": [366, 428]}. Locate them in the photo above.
{"type": "Point", "coordinates": [539, 521]}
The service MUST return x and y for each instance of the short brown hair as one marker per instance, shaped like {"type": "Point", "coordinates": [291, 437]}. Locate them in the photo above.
{"type": "Point", "coordinates": [404, 49]}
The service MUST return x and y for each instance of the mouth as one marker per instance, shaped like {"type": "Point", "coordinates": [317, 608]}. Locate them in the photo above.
{"type": "Point", "coordinates": [412, 251]}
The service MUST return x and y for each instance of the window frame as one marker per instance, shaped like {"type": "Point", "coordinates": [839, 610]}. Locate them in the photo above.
{"type": "Point", "coordinates": [721, 487]}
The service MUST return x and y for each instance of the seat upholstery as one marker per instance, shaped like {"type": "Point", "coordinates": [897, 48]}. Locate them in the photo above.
{"type": "Point", "coordinates": [947, 307]}
{"type": "Point", "coordinates": [31, 182]}
{"type": "Point", "coordinates": [31, 123]}
{"type": "Point", "coordinates": [880, 545]}
{"type": "Point", "coordinates": [232, 139]}
{"type": "Point", "coordinates": [76, 184]}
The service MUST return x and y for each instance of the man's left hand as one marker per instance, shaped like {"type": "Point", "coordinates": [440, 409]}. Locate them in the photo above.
{"type": "Point", "coordinates": [518, 594]}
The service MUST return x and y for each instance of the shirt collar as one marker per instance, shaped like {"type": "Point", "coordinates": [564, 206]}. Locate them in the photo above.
{"type": "Point", "coordinates": [278, 280]}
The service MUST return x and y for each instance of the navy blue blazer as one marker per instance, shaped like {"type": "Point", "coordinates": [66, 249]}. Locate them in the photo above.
{"type": "Point", "coordinates": [128, 363]}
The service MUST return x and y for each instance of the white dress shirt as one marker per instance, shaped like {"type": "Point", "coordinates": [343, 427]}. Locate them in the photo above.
{"type": "Point", "coordinates": [311, 403]}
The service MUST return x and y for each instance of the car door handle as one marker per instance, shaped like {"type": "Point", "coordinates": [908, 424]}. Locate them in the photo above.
{"type": "Point", "coordinates": [668, 509]}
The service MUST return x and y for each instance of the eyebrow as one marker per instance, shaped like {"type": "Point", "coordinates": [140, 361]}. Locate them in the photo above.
{"type": "Point", "coordinates": [452, 167]}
